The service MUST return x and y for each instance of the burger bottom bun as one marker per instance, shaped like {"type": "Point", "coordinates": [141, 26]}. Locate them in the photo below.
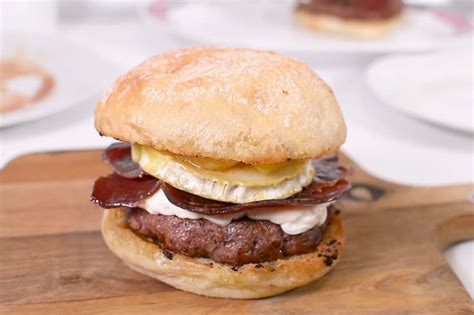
{"type": "Point", "coordinates": [206, 277]}
{"type": "Point", "coordinates": [356, 28]}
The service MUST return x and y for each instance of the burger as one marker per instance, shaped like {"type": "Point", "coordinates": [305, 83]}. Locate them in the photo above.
{"type": "Point", "coordinates": [356, 18]}
{"type": "Point", "coordinates": [225, 176]}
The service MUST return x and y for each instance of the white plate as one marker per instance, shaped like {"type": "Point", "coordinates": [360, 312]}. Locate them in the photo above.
{"type": "Point", "coordinates": [80, 75]}
{"type": "Point", "coordinates": [434, 87]}
{"type": "Point", "coordinates": [264, 25]}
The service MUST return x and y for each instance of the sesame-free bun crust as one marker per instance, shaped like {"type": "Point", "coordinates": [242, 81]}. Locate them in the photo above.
{"type": "Point", "coordinates": [355, 28]}
{"type": "Point", "coordinates": [224, 103]}
{"type": "Point", "coordinates": [209, 278]}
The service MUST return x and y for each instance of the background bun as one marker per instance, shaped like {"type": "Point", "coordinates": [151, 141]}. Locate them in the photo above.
{"type": "Point", "coordinates": [357, 28]}
{"type": "Point", "coordinates": [217, 280]}
{"type": "Point", "coordinates": [229, 104]}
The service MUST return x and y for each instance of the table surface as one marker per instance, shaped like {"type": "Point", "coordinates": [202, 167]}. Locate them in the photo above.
{"type": "Point", "coordinates": [73, 269]}
{"type": "Point", "coordinates": [384, 142]}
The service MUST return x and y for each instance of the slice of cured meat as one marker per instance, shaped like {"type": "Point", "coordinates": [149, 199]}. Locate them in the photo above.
{"type": "Point", "coordinates": [328, 170]}
{"type": "Point", "coordinates": [119, 157]}
{"type": "Point", "coordinates": [314, 194]}
{"type": "Point", "coordinates": [123, 189]}
{"type": "Point", "coordinates": [115, 191]}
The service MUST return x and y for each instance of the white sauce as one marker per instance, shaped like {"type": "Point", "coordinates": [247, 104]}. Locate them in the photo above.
{"type": "Point", "coordinates": [292, 221]}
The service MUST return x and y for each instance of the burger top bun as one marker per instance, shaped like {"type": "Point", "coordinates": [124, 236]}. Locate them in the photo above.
{"type": "Point", "coordinates": [224, 103]}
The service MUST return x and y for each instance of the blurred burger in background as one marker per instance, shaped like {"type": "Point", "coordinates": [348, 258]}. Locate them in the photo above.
{"type": "Point", "coordinates": [365, 19]}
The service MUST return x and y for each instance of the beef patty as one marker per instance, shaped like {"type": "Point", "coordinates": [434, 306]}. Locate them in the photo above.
{"type": "Point", "coordinates": [240, 242]}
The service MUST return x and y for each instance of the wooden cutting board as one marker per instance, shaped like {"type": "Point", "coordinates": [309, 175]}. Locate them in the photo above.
{"type": "Point", "coordinates": [53, 259]}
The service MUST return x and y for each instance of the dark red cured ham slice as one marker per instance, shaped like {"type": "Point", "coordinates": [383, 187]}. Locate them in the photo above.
{"type": "Point", "coordinates": [328, 170]}
{"type": "Point", "coordinates": [115, 191]}
{"type": "Point", "coordinates": [119, 157]}
{"type": "Point", "coordinates": [118, 191]}
{"type": "Point", "coordinates": [314, 194]}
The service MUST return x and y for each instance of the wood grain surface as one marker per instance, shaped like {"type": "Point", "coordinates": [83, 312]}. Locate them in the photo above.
{"type": "Point", "coordinates": [53, 259]}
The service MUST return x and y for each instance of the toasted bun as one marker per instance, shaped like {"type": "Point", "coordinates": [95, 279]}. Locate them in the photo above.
{"type": "Point", "coordinates": [356, 28]}
{"type": "Point", "coordinates": [228, 104]}
{"type": "Point", "coordinates": [205, 277]}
